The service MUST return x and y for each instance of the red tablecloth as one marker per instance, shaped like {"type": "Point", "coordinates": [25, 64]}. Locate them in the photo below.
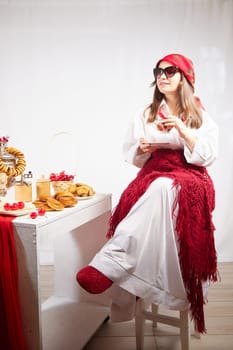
{"type": "Point", "coordinates": [11, 332]}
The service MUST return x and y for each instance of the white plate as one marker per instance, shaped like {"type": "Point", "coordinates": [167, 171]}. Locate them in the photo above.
{"type": "Point", "coordinates": [18, 212]}
{"type": "Point", "coordinates": [156, 142]}
{"type": "Point", "coordinates": [160, 143]}
{"type": "Point", "coordinates": [29, 207]}
{"type": "Point", "coordinates": [84, 197]}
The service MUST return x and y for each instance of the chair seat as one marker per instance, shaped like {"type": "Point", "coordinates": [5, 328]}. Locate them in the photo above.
{"type": "Point", "coordinates": [182, 322]}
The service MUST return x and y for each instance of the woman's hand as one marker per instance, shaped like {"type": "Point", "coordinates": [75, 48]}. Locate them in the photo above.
{"type": "Point", "coordinates": [174, 122]}
{"type": "Point", "coordinates": [145, 146]}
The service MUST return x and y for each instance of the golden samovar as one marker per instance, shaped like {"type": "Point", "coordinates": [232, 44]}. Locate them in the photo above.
{"type": "Point", "coordinates": [12, 164]}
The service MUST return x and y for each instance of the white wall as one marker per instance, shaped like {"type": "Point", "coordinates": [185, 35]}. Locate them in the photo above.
{"type": "Point", "coordinates": [73, 73]}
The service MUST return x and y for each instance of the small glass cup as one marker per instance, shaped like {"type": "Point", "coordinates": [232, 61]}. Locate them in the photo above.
{"type": "Point", "coordinates": [23, 192]}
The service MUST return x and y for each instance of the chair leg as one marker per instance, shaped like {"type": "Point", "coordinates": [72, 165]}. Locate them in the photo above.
{"type": "Point", "coordinates": [193, 331]}
{"type": "Point", "coordinates": [185, 330]}
{"type": "Point", "coordinates": [154, 310]}
{"type": "Point", "coordinates": [197, 335]}
{"type": "Point", "coordinates": [183, 323]}
{"type": "Point", "coordinates": [140, 324]}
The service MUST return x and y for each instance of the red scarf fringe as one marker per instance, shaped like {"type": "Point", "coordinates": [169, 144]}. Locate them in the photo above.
{"type": "Point", "coordinates": [194, 226]}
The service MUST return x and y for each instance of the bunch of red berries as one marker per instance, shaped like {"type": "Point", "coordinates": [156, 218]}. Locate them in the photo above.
{"type": "Point", "coordinates": [62, 176]}
{"type": "Point", "coordinates": [4, 139]}
{"type": "Point", "coordinates": [13, 206]}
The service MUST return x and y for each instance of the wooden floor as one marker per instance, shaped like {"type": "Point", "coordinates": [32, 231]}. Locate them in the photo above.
{"type": "Point", "coordinates": [218, 315]}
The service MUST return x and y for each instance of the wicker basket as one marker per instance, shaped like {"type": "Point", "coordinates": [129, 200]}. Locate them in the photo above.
{"type": "Point", "coordinates": [61, 186]}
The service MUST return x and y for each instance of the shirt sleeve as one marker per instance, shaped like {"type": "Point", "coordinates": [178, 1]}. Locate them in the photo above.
{"type": "Point", "coordinates": [135, 131]}
{"type": "Point", "coordinates": [206, 147]}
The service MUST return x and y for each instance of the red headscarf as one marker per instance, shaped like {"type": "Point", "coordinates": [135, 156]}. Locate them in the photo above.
{"type": "Point", "coordinates": [182, 62]}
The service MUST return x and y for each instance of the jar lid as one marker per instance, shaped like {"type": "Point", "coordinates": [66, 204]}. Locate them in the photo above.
{"type": "Point", "coordinates": [43, 179]}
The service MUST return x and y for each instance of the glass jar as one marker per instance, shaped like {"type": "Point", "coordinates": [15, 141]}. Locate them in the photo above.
{"type": "Point", "coordinates": [42, 188]}
{"type": "Point", "coordinates": [23, 192]}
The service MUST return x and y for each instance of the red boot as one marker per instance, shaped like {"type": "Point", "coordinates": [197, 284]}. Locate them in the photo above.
{"type": "Point", "coordinates": [92, 280]}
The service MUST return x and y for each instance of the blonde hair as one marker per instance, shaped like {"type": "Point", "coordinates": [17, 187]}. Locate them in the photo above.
{"type": "Point", "coordinates": [187, 104]}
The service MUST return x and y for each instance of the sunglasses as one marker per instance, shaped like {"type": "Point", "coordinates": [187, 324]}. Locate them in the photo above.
{"type": "Point", "coordinates": [168, 71]}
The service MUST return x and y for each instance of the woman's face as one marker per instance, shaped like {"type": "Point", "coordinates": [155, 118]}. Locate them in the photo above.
{"type": "Point", "coordinates": [168, 85]}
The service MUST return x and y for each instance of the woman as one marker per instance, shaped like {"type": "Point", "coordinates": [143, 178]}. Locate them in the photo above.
{"type": "Point", "coordinates": [161, 245]}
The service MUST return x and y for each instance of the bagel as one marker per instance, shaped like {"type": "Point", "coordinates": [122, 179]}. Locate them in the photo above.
{"type": "Point", "coordinates": [54, 204]}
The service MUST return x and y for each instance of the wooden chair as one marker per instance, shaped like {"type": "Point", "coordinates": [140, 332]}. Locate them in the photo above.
{"type": "Point", "coordinates": [143, 314]}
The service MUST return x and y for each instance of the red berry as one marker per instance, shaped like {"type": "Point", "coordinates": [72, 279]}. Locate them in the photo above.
{"type": "Point", "coordinates": [7, 206]}
{"type": "Point", "coordinates": [14, 206]}
{"type": "Point", "coordinates": [33, 215]}
{"type": "Point", "coordinates": [21, 205]}
{"type": "Point", "coordinates": [41, 211]}
{"type": "Point", "coordinates": [52, 176]}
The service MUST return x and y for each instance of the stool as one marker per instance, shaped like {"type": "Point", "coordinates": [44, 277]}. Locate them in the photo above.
{"type": "Point", "coordinates": [182, 322]}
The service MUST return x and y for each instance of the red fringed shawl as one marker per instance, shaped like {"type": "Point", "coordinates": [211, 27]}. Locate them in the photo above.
{"type": "Point", "coordinates": [194, 226]}
{"type": "Point", "coordinates": [11, 332]}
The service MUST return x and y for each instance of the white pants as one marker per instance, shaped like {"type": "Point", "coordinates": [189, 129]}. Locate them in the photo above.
{"type": "Point", "coordinates": [142, 256]}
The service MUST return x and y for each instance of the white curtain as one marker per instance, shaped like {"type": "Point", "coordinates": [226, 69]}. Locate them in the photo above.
{"type": "Point", "coordinates": [83, 67]}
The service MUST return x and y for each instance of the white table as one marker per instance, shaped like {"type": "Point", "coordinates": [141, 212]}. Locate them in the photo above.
{"type": "Point", "coordinates": [68, 319]}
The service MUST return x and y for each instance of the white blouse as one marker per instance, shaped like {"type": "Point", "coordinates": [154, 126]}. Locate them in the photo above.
{"type": "Point", "coordinates": [204, 153]}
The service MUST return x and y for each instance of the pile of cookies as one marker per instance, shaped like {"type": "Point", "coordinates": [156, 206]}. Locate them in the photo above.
{"type": "Point", "coordinates": [64, 199]}
{"type": "Point", "coordinates": [82, 190]}
{"type": "Point", "coordinates": [59, 201]}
